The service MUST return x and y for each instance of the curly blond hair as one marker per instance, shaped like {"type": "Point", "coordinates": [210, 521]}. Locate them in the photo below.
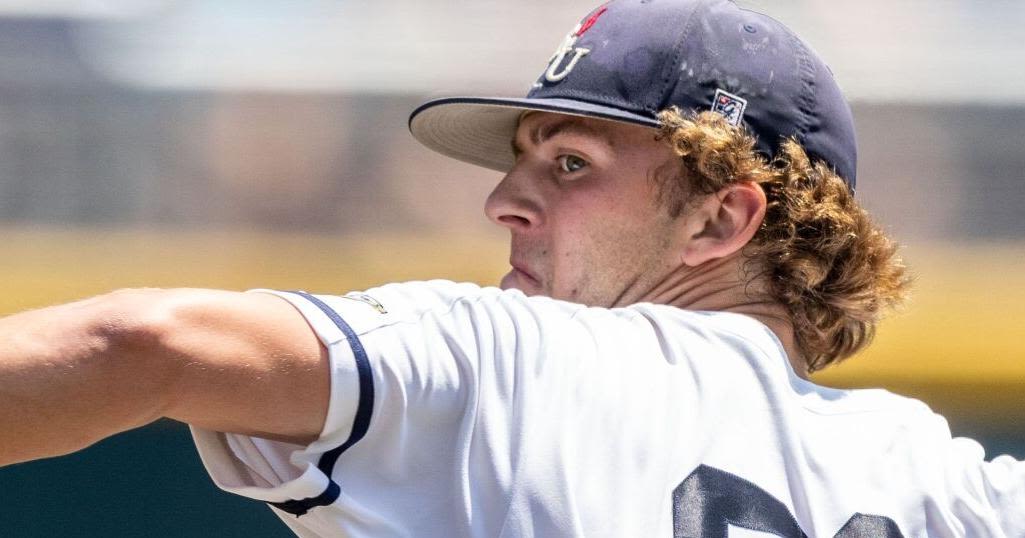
{"type": "Point", "coordinates": [821, 255]}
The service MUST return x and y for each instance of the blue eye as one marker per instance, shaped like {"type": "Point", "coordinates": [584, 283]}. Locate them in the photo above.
{"type": "Point", "coordinates": [571, 163]}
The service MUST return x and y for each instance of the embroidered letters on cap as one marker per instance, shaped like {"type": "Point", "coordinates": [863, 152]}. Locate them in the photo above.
{"type": "Point", "coordinates": [554, 74]}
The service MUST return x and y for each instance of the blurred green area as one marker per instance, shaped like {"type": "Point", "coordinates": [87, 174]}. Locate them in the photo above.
{"type": "Point", "coordinates": [139, 484]}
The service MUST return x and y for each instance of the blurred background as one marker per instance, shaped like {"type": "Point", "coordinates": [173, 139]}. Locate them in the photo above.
{"type": "Point", "coordinates": [241, 144]}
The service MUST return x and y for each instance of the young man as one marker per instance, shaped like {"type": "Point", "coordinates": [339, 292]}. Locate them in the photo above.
{"type": "Point", "coordinates": [685, 248]}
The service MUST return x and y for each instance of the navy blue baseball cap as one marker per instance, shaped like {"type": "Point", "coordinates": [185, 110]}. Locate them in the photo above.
{"type": "Point", "coordinates": [630, 59]}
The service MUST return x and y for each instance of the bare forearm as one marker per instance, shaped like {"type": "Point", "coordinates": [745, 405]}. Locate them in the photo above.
{"type": "Point", "coordinates": [71, 375]}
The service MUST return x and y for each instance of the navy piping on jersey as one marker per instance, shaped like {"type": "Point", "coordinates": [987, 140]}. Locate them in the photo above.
{"type": "Point", "coordinates": [360, 424]}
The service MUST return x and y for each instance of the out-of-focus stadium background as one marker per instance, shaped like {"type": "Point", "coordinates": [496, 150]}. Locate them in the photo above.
{"type": "Point", "coordinates": [243, 144]}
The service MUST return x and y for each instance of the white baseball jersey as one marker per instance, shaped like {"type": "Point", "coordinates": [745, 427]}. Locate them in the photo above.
{"type": "Point", "coordinates": [457, 410]}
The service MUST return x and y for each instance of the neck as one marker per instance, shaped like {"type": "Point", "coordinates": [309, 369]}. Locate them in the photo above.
{"type": "Point", "coordinates": [723, 285]}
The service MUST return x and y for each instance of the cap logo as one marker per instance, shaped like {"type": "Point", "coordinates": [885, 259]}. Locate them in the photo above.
{"type": "Point", "coordinates": [729, 105]}
{"type": "Point", "coordinates": [554, 73]}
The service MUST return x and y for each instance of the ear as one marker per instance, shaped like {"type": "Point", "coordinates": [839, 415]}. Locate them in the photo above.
{"type": "Point", "coordinates": [723, 223]}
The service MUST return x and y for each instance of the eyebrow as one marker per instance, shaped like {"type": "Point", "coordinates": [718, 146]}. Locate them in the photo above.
{"type": "Point", "coordinates": [572, 126]}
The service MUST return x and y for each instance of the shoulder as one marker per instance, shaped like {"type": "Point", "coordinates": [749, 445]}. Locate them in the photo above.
{"type": "Point", "coordinates": [690, 332]}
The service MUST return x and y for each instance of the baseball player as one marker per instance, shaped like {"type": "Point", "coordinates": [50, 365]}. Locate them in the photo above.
{"type": "Point", "coordinates": [685, 249]}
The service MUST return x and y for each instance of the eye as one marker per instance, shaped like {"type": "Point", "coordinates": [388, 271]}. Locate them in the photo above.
{"type": "Point", "coordinates": [571, 163]}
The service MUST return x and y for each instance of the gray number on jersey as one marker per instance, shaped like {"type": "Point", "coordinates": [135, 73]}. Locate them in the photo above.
{"type": "Point", "coordinates": [710, 501]}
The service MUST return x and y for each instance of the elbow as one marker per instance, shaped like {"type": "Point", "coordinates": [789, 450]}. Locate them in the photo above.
{"type": "Point", "coordinates": [131, 320]}
{"type": "Point", "coordinates": [133, 326]}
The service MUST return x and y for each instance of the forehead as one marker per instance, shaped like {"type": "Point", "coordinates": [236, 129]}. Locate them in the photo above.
{"type": "Point", "coordinates": [538, 127]}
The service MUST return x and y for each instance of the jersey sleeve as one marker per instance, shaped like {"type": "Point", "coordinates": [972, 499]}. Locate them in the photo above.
{"type": "Point", "coordinates": [362, 332]}
{"type": "Point", "coordinates": [987, 496]}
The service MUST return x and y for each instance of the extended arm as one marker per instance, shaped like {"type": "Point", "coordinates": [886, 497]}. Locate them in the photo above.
{"type": "Point", "coordinates": [73, 374]}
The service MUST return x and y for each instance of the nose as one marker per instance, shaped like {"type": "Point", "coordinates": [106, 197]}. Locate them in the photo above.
{"type": "Point", "coordinates": [513, 203]}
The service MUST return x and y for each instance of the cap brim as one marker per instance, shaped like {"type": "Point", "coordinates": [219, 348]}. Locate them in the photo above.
{"type": "Point", "coordinates": [479, 130]}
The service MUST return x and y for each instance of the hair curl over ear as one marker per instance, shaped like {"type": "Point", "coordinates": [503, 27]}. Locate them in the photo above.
{"type": "Point", "coordinates": [820, 254]}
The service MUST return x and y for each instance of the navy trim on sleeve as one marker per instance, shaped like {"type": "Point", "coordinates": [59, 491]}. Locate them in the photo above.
{"type": "Point", "coordinates": [360, 424]}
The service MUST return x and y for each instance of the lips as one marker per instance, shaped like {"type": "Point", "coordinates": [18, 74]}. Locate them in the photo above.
{"type": "Point", "coordinates": [521, 278]}
{"type": "Point", "coordinates": [527, 276]}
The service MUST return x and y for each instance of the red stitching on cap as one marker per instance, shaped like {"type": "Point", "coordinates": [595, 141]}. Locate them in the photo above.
{"type": "Point", "coordinates": [590, 21]}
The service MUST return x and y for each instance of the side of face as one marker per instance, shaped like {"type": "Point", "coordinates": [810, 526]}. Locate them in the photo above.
{"type": "Point", "coordinates": [581, 204]}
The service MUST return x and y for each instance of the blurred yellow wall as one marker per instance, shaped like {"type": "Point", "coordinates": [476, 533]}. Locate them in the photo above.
{"type": "Point", "coordinates": [957, 345]}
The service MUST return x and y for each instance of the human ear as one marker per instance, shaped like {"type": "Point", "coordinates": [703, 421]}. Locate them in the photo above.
{"type": "Point", "coordinates": [724, 222]}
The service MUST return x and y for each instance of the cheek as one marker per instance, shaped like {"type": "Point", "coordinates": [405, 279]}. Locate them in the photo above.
{"type": "Point", "coordinates": [601, 236]}
{"type": "Point", "coordinates": [593, 207]}
{"type": "Point", "coordinates": [583, 220]}
{"type": "Point", "coordinates": [599, 247]}
{"type": "Point", "coordinates": [626, 240]}
{"type": "Point", "coordinates": [610, 211]}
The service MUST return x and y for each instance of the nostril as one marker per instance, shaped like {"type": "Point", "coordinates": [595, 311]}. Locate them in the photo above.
{"type": "Point", "coordinates": [514, 221]}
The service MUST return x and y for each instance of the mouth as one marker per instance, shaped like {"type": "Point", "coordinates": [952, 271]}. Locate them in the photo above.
{"type": "Point", "coordinates": [520, 278]}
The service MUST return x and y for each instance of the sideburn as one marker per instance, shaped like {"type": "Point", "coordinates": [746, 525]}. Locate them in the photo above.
{"type": "Point", "coordinates": [671, 186]}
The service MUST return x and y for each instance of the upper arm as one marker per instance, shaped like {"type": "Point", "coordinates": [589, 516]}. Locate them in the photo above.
{"type": "Point", "coordinates": [239, 362]}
